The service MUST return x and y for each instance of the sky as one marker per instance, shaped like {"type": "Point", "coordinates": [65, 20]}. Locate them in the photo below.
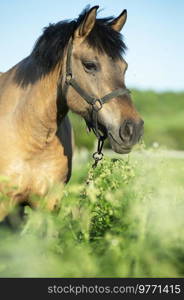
{"type": "Point", "coordinates": [154, 34]}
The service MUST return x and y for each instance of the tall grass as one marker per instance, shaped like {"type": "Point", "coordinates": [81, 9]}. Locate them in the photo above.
{"type": "Point", "coordinates": [127, 220]}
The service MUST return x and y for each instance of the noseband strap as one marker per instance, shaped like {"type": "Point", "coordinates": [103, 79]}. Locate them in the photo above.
{"type": "Point", "coordinates": [92, 100]}
{"type": "Point", "coordinates": [96, 103]}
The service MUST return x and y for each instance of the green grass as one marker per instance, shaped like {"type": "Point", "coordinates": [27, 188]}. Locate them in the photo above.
{"type": "Point", "coordinates": [163, 115]}
{"type": "Point", "coordinates": [126, 222]}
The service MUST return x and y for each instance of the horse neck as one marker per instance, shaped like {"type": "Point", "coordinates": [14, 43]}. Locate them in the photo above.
{"type": "Point", "coordinates": [37, 111]}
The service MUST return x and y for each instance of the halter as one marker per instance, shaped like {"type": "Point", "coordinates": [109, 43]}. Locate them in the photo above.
{"type": "Point", "coordinates": [96, 103]}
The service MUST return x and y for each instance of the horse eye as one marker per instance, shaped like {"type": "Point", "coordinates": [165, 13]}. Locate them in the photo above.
{"type": "Point", "coordinates": [90, 66]}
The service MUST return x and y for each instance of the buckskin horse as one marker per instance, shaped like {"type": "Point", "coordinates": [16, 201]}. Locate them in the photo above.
{"type": "Point", "coordinates": [76, 65]}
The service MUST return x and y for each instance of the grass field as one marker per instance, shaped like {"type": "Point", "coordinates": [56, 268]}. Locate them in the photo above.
{"type": "Point", "coordinates": [126, 222]}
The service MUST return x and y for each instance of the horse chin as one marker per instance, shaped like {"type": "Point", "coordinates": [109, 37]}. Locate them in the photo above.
{"type": "Point", "coordinates": [117, 146]}
{"type": "Point", "coordinates": [115, 142]}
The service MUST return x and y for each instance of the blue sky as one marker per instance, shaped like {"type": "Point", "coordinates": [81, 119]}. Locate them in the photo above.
{"type": "Point", "coordinates": [154, 34]}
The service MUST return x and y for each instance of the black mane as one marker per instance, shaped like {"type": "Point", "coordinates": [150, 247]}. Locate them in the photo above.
{"type": "Point", "coordinates": [49, 48]}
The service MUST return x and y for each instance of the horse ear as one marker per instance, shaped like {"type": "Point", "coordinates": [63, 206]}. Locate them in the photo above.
{"type": "Point", "coordinates": [118, 23]}
{"type": "Point", "coordinates": [87, 24]}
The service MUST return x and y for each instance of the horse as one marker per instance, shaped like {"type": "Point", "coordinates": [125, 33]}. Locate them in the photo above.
{"type": "Point", "coordinates": [75, 65]}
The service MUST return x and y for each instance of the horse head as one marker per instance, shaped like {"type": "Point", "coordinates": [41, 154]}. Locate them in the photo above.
{"type": "Point", "coordinates": [94, 80]}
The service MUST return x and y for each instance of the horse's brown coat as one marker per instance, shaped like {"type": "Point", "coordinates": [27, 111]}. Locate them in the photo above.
{"type": "Point", "coordinates": [31, 154]}
{"type": "Point", "coordinates": [36, 151]}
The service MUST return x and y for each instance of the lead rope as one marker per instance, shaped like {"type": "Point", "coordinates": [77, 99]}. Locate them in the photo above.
{"type": "Point", "coordinates": [97, 156]}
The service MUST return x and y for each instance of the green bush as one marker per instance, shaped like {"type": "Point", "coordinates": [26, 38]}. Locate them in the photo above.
{"type": "Point", "coordinates": [125, 221]}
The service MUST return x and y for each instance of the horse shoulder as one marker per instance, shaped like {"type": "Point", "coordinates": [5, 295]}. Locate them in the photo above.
{"type": "Point", "coordinates": [53, 164]}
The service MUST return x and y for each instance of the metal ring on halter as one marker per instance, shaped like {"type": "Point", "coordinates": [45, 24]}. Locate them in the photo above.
{"type": "Point", "coordinates": [95, 107]}
{"type": "Point", "coordinates": [98, 156]}
{"type": "Point", "coordinates": [68, 78]}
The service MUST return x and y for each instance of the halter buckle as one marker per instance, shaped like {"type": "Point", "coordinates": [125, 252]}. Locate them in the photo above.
{"type": "Point", "coordinates": [96, 104]}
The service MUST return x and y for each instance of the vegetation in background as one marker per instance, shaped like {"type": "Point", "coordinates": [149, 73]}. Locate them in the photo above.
{"type": "Point", "coordinates": [163, 114]}
{"type": "Point", "coordinates": [127, 221]}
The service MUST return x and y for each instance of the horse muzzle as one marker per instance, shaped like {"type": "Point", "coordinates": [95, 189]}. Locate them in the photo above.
{"type": "Point", "coordinates": [126, 136]}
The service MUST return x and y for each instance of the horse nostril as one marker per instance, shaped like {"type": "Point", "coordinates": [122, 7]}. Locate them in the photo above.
{"type": "Point", "coordinates": [127, 131]}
